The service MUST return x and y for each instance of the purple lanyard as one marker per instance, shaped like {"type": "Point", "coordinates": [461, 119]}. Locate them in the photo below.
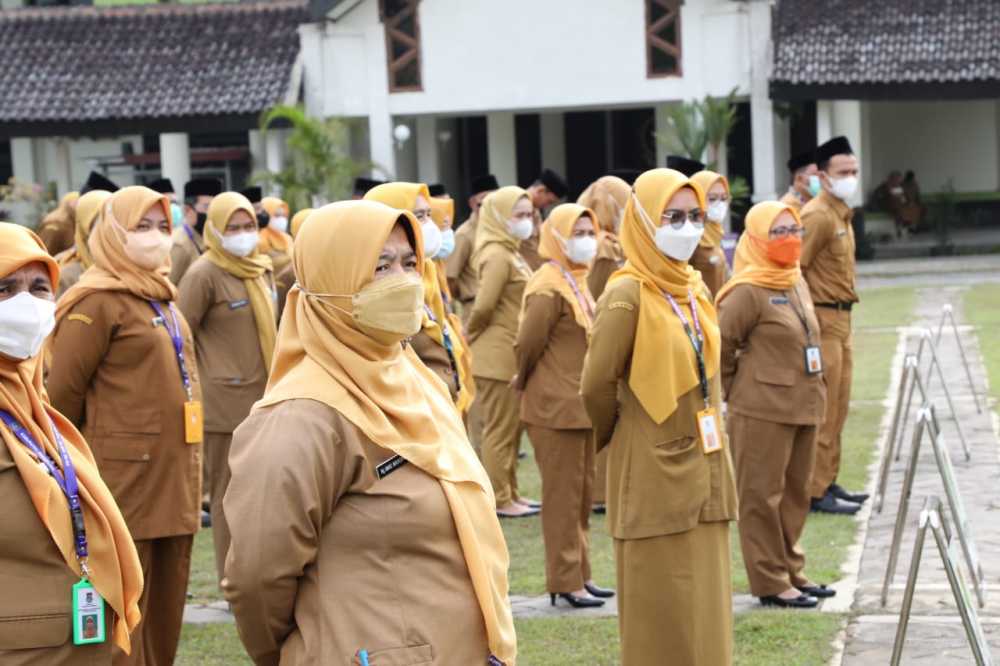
{"type": "Point", "coordinates": [695, 336]}
{"type": "Point", "coordinates": [576, 290]}
{"type": "Point", "coordinates": [65, 479]}
{"type": "Point", "coordinates": [178, 341]}
{"type": "Point", "coordinates": [190, 234]}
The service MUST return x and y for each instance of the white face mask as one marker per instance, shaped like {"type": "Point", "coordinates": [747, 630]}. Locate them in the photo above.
{"type": "Point", "coordinates": [25, 322]}
{"type": "Point", "coordinates": [432, 238]}
{"type": "Point", "coordinates": [279, 224]}
{"type": "Point", "coordinates": [844, 188]}
{"type": "Point", "coordinates": [241, 244]}
{"type": "Point", "coordinates": [717, 211]}
{"type": "Point", "coordinates": [447, 244]}
{"type": "Point", "coordinates": [677, 244]}
{"type": "Point", "coordinates": [581, 249]}
{"type": "Point", "coordinates": [522, 228]}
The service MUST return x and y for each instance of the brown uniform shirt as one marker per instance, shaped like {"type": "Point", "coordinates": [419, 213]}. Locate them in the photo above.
{"type": "Point", "coordinates": [328, 559]}
{"type": "Point", "coordinates": [492, 324]}
{"type": "Point", "coordinates": [69, 275]}
{"type": "Point", "coordinates": [711, 262]}
{"type": "Point", "coordinates": [283, 281]}
{"type": "Point", "coordinates": [550, 350]}
{"type": "Point", "coordinates": [529, 250]}
{"type": "Point", "coordinates": [792, 198]}
{"type": "Point", "coordinates": [217, 307]}
{"type": "Point", "coordinates": [659, 480]}
{"type": "Point", "coordinates": [763, 355]}
{"type": "Point", "coordinates": [463, 281]}
{"type": "Point", "coordinates": [184, 252]}
{"type": "Point", "coordinates": [828, 250]}
{"type": "Point", "coordinates": [435, 357]}
{"type": "Point", "coordinates": [608, 260]}
{"type": "Point", "coordinates": [115, 375]}
{"type": "Point", "coordinates": [58, 235]}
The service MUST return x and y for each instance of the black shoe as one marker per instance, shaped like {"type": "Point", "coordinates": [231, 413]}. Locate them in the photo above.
{"type": "Point", "coordinates": [830, 504]}
{"type": "Point", "coordinates": [818, 591]}
{"type": "Point", "coordinates": [521, 455]}
{"type": "Point", "coordinates": [801, 601]}
{"type": "Point", "coordinates": [527, 514]}
{"type": "Point", "coordinates": [841, 494]}
{"type": "Point", "coordinates": [599, 592]}
{"type": "Point", "coordinates": [600, 509]}
{"type": "Point", "coordinates": [206, 518]}
{"type": "Point", "coordinates": [577, 602]}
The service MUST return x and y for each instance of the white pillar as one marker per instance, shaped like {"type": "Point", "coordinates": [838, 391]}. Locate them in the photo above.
{"type": "Point", "coordinates": [383, 154]}
{"type": "Point", "coordinates": [274, 150]}
{"type": "Point", "coordinates": [501, 142]}
{"type": "Point", "coordinates": [824, 121]}
{"type": "Point", "coordinates": [763, 121]}
{"type": "Point", "coordinates": [553, 130]}
{"type": "Point", "coordinates": [255, 142]}
{"type": "Point", "coordinates": [847, 121]}
{"type": "Point", "coordinates": [22, 153]}
{"type": "Point", "coordinates": [662, 128]}
{"type": "Point", "coordinates": [175, 158]}
{"type": "Point", "coordinates": [428, 162]}
{"type": "Point", "coordinates": [62, 168]}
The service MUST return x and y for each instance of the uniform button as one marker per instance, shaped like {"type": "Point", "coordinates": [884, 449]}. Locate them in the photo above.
{"type": "Point", "coordinates": [145, 456]}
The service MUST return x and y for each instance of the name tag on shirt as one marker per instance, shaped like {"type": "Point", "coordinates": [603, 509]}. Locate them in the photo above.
{"type": "Point", "coordinates": [389, 466]}
{"type": "Point", "coordinates": [714, 259]}
{"type": "Point", "coordinates": [709, 430]}
{"type": "Point", "coordinates": [235, 305]}
{"type": "Point", "coordinates": [779, 300]}
{"type": "Point", "coordinates": [814, 361]}
{"type": "Point", "coordinates": [842, 233]}
{"type": "Point", "coordinates": [88, 614]}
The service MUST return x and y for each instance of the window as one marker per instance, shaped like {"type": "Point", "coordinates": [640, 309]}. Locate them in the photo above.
{"type": "Point", "coordinates": [402, 44]}
{"type": "Point", "coordinates": [663, 37]}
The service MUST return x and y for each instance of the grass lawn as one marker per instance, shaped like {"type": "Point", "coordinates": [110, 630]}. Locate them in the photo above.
{"type": "Point", "coordinates": [762, 637]}
{"type": "Point", "coordinates": [982, 310]}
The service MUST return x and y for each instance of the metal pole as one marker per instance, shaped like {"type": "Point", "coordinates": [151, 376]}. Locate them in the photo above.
{"type": "Point", "coordinates": [930, 504]}
{"type": "Point", "coordinates": [909, 362]}
{"type": "Point", "coordinates": [970, 621]}
{"type": "Point", "coordinates": [909, 397]}
{"type": "Point", "coordinates": [947, 394]}
{"type": "Point", "coordinates": [965, 361]}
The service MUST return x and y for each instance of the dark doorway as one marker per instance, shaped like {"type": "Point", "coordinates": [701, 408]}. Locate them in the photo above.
{"type": "Point", "coordinates": [528, 133]}
{"type": "Point", "coordinates": [473, 159]}
{"type": "Point", "coordinates": [739, 160]}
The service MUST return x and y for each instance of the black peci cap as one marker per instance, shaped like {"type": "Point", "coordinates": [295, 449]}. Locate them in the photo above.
{"type": "Point", "coordinates": [628, 175]}
{"type": "Point", "coordinates": [362, 185]}
{"type": "Point", "coordinates": [97, 181]}
{"type": "Point", "coordinates": [485, 183]}
{"type": "Point", "coordinates": [437, 190]}
{"type": "Point", "coordinates": [801, 160]}
{"type": "Point", "coordinates": [162, 185]}
{"type": "Point", "coordinates": [838, 145]}
{"type": "Point", "coordinates": [685, 165]}
{"type": "Point", "coordinates": [202, 187]}
{"type": "Point", "coordinates": [554, 182]}
{"type": "Point", "coordinates": [253, 193]}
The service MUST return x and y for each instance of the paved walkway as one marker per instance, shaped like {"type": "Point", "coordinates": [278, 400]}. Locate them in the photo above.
{"type": "Point", "coordinates": [939, 271]}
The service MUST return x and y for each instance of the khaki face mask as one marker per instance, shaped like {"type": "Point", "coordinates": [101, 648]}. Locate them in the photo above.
{"type": "Point", "coordinates": [388, 310]}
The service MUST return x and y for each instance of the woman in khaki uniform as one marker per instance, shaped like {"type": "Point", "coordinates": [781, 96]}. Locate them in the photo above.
{"type": "Point", "coordinates": [709, 257]}
{"type": "Point", "coordinates": [361, 518]}
{"type": "Point", "coordinates": [57, 227]}
{"type": "Point", "coordinates": [74, 261]}
{"type": "Point", "coordinates": [275, 241]}
{"type": "Point", "coordinates": [39, 557]}
{"type": "Point", "coordinates": [671, 493]}
{"type": "Point", "coordinates": [551, 343]}
{"type": "Point", "coordinates": [773, 380]}
{"type": "Point", "coordinates": [123, 370]}
{"type": "Point", "coordinates": [227, 298]}
{"type": "Point", "coordinates": [505, 219]}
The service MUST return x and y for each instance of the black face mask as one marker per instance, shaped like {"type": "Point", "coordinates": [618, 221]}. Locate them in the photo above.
{"type": "Point", "coordinates": [263, 219]}
{"type": "Point", "coordinates": [199, 222]}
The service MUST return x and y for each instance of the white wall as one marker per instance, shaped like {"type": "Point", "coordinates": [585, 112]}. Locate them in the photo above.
{"type": "Point", "coordinates": [937, 140]}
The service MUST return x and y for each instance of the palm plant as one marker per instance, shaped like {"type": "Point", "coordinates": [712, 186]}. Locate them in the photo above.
{"type": "Point", "coordinates": [695, 127]}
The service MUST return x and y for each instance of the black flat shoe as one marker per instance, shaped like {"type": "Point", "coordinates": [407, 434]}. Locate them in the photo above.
{"type": "Point", "coordinates": [577, 602]}
{"type": "Point", "coordinates": [830, 504]}
{"type": "Point", "coordinates": [206, 518]}
{"type": "Point", "coordinates": [818, 591]}
{"type": "Point", "coordinates": [841, 494]}
{"type": "Point", "coordinates": [801, 601]}
{"type": "Point", "coordinates": [599, 592]}
{"type": "Point", "coordinates": [600, 509]}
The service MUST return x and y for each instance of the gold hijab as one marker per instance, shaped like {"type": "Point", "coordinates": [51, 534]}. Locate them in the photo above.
{"type": "Point", "coordinates": [88, 209]}
{"type": "Point", "coordinates": [752, 265]}
{"type": "Point", "coordinates": [114, 566]}
{"type": "Point", "coordinates": [385, 391]}
{"type": "Point", "coordinates": [297, 221]}
{"type": "Point", "coordinates": [272, 239]}
{"type": "Point", "coordinates": [252, 269]}
{"type": "Point", "coordinates": [491, 227]}
{"type": "Point", "coordinates": [550, 277]}
{"type": "Point", "coordinates": [713, 230]}
{"type": "Point", "coordinates": [607, 197]}
{"type": "Point", "coordinates": [663, 362]}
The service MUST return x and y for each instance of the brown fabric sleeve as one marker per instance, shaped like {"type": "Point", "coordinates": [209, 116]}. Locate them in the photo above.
{"type": "Point", "coordinates": [818, 232]}
{"type": "Point", "coordinates": [289, 469]}
{"type": "Point", "coordinates": [738, 314]}
{"type": "Point", "coordinates": [458, 259]}
{"type": "Point", "coordinates": [494, 272]}
{"type": "Point", "coordinates": [598, 276]}
{"type": "Point", "coordinates": [180, 261]}
{"type": "Point", "coordinates": [539, 317]}
{"type": "Point", "coordinates": [611, 342]}
{"type": "Point", "coordinates": [78, 346]}
{"type": "Point", "coordinates": [195, 295]}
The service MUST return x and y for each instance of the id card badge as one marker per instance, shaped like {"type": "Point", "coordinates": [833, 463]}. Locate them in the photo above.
{"type": "Point", "coordinates": [194, 422]}
{"type": "Point", "coordinates": [814, 361]}
{"type": "Point", "coordinates": [88, 614]}
{"type": "Point", "coordinates": [708, 429]}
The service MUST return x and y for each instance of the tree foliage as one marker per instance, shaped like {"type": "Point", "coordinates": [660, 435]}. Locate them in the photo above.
{"type": "Point", "coordinates": [700, 126]}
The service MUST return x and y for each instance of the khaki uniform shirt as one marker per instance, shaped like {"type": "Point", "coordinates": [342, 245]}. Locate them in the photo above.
{"type": "Point", "coordinates": [763, 355]}
{"type": "Point", "coordinates": [711, 262]}
{"type": "Point", "coordinates": [792, 198]}
{"type": "Point", "coordinates": [492, 324]}
{"type": "Point", "coordinates": [608, 260]}
{"type": "Point", "coordinates": [529, 250]}
{"type": "Point", "coordinates": [217, 306]}
{"type": "Point", "coordinates": [828, 250]}
{"type": "Point", "coordinates": [184, 252]}
{"type": "Point", "coordinates": [68, 276]}
{"type": "Point", "coordinates": [550, 350]}
{"type": "Point", "coordinates": [58, 235]}
{"type": "Point", "coordinates": [283, 281]}
{"type": "Point", "coordinates": [115, 375]}
{"type": "Point", "coordinates": [462, 278]}
{"type": "Point", "coordinates": [659, 479]}
{"type": "Point", "coordinates": [326, 559]}
{"type": "Point", "coordinates": [435, 357]}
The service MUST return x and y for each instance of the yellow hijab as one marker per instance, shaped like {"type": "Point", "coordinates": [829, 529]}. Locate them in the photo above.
{"type": "Point", "coordinates": [114, 566]}
{"type": "Point", "coordinates": [443, 213]}
{"type": "Point", "coordinates": [297, 221]}
{"type": "Point", "coordinates": [252, 269]}
{"type": "Point", "coordinates": [752, 265]}
{"type": "Point", "coordinates": [549, 278]}
{"type": "Point", "coordinates": [88, 209]}
{"type": "Point", "coordinates": [112, 269]}
{"type": "Point", "coordinates": [713, 230]}
{"type": "Point", "coordinates": [385, 391]}
{"type": "Point", "coordinates": [491, 227]}
{"type": "Point", "coordinates": [272, 240]}
{"type": "Point", "coordinates": [663, 362]}
{"type": "Point", "coordinates": [607, 197]}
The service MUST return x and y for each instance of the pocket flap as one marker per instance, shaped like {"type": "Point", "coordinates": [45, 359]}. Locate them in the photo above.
{"type": "Point", "coordinates": [34, 631]}
{"type": "Point", "coordinates": [403, 656]}
{"type": "Point", "coordinates": [776, 376]}
{"type": "Point", "coordinates": [136, 449]}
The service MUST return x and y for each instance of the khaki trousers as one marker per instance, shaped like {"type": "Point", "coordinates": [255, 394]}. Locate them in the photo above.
{"type": "Point", "coordinates": [773, 462]}
{"type": "Point", "coordinates": [501, 418]}
{"type": "Point", "coordinates": [600, 476]}
{"type": "Point", "coordinates": [566, 462]}
{"type": "Point", "coordinates": [216, 452]}
{"type": "Point", "coordinates": [166, 565]}
{"type": "Point", "coordinates": [474, 422]}
{"type": "Point", "coordinates": [838, 367]}
{"type": "Point", "coordinates": [675, 598]}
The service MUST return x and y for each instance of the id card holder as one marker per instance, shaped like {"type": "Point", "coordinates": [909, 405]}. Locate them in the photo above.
{"type": "Point", "coordinates": [88, 614]}
{"type": "Point", "coordinates": [709, 431]}
{"type": "Point", "coordinates": [814, 361]}
{"type": "Point", "coordinates": [194, 422]}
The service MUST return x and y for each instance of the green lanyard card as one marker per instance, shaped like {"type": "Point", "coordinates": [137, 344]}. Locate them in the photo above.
{"type": "Point", "coordinates": [88, 614]}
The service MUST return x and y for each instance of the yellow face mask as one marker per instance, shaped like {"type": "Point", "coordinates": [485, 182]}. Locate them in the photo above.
{"type": "Point", "coordinates": [387, 310]}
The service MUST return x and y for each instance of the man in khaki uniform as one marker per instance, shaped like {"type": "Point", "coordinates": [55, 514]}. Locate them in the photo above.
{"type": "Point", "coordinates": [547, 190]}
{"type": "Point", "coordinates": [805, 180]}
{"type": "Point", "coordinates": [462, 279]}
{"type": "Point", "coordinates": [829, 269]}
{"type": "Point", "coordinates": [188, 243]}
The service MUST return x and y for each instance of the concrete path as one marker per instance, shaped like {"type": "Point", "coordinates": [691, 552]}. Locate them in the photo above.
{"type": "Point", "coordinates": [939, 271]}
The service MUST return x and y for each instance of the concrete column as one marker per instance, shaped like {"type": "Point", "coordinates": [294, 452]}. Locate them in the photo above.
{"type": "Point", "coordinates": [553, 130]}
{"type": "Point", "coordinates": [824, 121]}
{"type": "Point", "coordinates": [501, 141]}
{"type": "Point", "coordinates": [62, 168]}
{"type": "Point", "coordinates": [257, 151]}
{"type": "Point", "coordinates": [763, 121]}
{"type": "Point", "coordinates": [382, 150]}
{"type": "Point", "coordinates": [22, 153]}
{"type": "Point", "coordinates": [274, 150]}
{"type": "Point", "coordinates": [175, 158]}
{"type": "Point", "coordinates": [448, 158]}
{"type": "Point", "coordinates": [428, 159]}
{"type": "Point", "coordinates": [847, 121]}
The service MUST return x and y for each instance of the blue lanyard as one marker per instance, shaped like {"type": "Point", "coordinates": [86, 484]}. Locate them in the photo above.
{"type": "Point", "coordinates": [65, 479]}
{"type": "Point", "coordinates": [584, 303]}
{"type": "Point", "coordinates": [190, 234]}
{"type": "Point", "coordinates": [696, 337]}
{"type": "Point", "coordinates": [448, 347]}
{"type": "Point", "coordinates": [178, 341]}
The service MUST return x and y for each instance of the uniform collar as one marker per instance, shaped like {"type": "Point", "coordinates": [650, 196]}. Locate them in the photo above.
{"type": "Point", "coordinates": [839, 207]}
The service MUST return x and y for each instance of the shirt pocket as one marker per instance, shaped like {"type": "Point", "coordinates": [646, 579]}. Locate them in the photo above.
{"type": "Point", "coordinates": [401, 656]}
{"type": "Point", "coordinates": [126, 420]}
{"type": "Point", "coordinates": [776, 376]}
{"type": "Point", "coordinates": [668, 485]}
{"type": "Point", "coordinates": [29, 632]}
{"type": "Point", "coordinates": [838, 246]}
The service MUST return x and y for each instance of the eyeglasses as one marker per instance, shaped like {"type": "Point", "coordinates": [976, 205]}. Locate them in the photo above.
{"type": "Point", "coordinates": [677, 218]}
{"type": "Point", "coordinates": [422, 215]}
{"type": "Point", "coordinates": [784, 232]}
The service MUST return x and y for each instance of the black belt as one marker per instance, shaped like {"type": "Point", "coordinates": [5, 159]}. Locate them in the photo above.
{"type": "Point", "coordinates": [843, 307]}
